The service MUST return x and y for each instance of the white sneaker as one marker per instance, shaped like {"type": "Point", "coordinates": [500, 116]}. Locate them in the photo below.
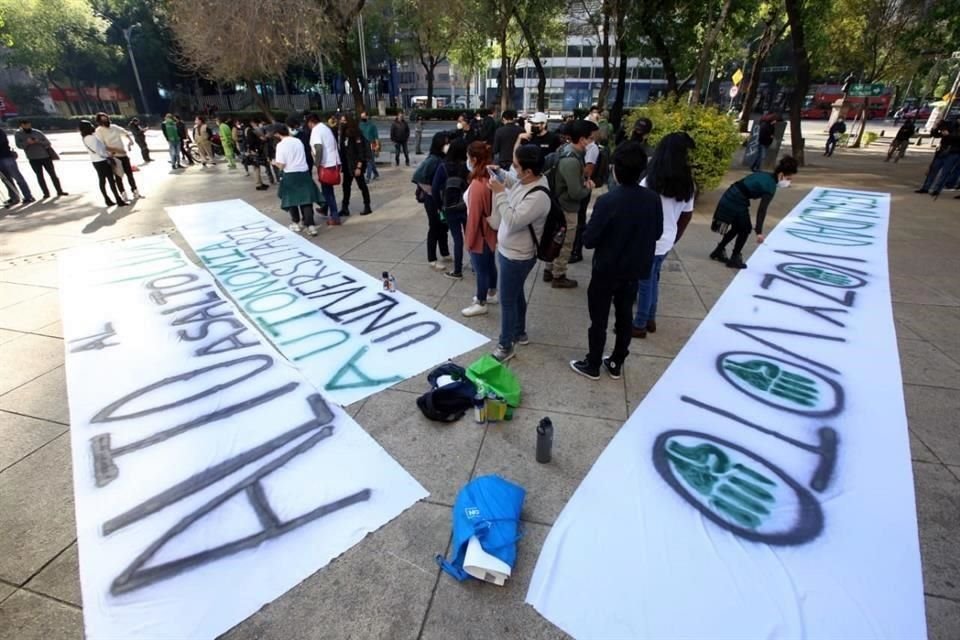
{"type": "Point", "coordinates": [492, 297]}
{"type": "Point", "coordinates": [312, 230]}
{"type": "Point", "coordinates": [476, 309]}
{"type": "Point", "coordinates": [136, 194]}
{"type": "Point", "coordinates": [438, 266]}
{"type": "Point", "coordinates": [295, 227]}
{"type": "Point", "coordinates": [126, 198]}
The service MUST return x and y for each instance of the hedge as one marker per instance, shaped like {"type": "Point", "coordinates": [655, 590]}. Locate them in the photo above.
{"type": "Point", "coordinates": [436, 114]}
{"type": "Point", "coordinates": [715, 134]}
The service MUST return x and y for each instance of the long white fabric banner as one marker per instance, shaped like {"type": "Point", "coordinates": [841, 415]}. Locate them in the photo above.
{"type": "Point", "coordinates": [335, 322]}
{"type": "Point", "coordinates": [210, 476]}
{"type": "Point", "coordinates": [763, 488]}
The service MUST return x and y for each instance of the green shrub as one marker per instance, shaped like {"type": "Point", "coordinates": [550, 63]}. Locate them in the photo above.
{"type": "Point", "coordinates": [869, 137]}
{"type": "Point", "coordinates": [714, 132]}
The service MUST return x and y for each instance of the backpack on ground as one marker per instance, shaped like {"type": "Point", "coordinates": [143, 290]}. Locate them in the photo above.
{"type": "Point", "coordinates": [452, 195]}
{"type": "Point", "coordinates": [554, 229]}
{"type": "Point", "coordinates": [451, 401]}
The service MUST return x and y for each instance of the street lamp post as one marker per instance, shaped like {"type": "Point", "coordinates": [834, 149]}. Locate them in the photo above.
{"type": "Point", "coordinates": [136, 72]}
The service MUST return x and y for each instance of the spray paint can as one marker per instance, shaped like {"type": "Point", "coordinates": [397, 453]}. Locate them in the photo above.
{"type": "Point", "coordinates": [544, 440]}
{"type": "Point", "coordinates": [480, 407]}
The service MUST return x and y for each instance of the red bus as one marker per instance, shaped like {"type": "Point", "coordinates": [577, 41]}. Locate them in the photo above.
{"type": "Point", "coordinates": [818, 106]}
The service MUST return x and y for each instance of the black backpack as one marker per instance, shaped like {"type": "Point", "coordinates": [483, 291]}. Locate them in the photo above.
{"type": "Point", "coordinates": [447, 403]}
{"type": "Point", "coordinates": [601, 170]}
{"type": "Point", "coordinates": [453, 189]}
{"type": "Point", "coordinates": [554, 229]}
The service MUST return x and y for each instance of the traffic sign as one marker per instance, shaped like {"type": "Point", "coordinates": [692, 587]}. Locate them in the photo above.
{"type": "Point", "coordinates": [737, 77]}
{"type": "Point", "coordinates": [863, 90]}
{"type": "Point", "coordinates": [734, 90]}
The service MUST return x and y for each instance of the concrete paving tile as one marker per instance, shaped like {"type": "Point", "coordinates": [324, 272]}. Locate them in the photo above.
{"type": "Point", "coordinates": [414, 279]}
{"type": "Point", "coordinates": [54, 330]}
{"type": "Point", "coordinates": [544, 293]}
{"type": "Point", "coordinates": [922, 363]}
{"type": "Point", "coordinates": [381, 249]}
{"type": "Point", "coordinates": [43, 397]}
{"type": "Point", "coordinates": [26, 357]}
{"type": "Point", "coordinates": [943, 618]}
{"type": "Point", "coordinates": [672, 333]}
{"type": "Point", "coordinates": [913, 290]}
{"type": "Point", "coordinates": [938, 517]}
{"type": "Point", "coordinates": [7, 335]}
{"type": "Point", "coordinates": [903, 329]}
{"type": "Point", "coordinates": [640, 373]}
{"type": "Point", "coordinates": [61, 578]}
{"type": "Point", "coordinates": [11, 294]}
{"type": "Point", "coordinates": [488, 325]}
{"type": "Point", "coordinates": [919, 451]}
{"type": "Point", "coordinates": [681, 301]}
{"type": "Point", "coordinates": [339, 244]}
{"type": "Point", "coordinates": [550, 385]}
{"type": "Point", "coordinates": [32, 314]}
{"type": "Point", "coordinates": [672, 272]}
{"type": "Point", "coordinates": [22, 435]}
{"type": "Point", "coordinates": [509, 450]}
{"type": "Point", "coordinates": [561, 326]}
{"type": "Point", "coordinates": [706, 272]}
{"type": "Point", "coordinates": [709, 295]}
{"type": "Point", "coordinates": [379, 588]}
{"type": "Point", "coordinates": [27, 616]}
{"type": "Point", "coordinates": [937, 325]}
{"type": "Point", "coordinates": [932, 414]}
{"type": "Point", "coordinates": [406, 230]}
{"type": "Point", "coordinates": [476, 610]}
{"type": "Point", "coordinates": [36, 500]}
{"type": "Point", "coordinates": [439, 455]}
{"type": "Point", "coordinates": [6, 590]}
{"type": "Point", "coordinates": [44, 274]}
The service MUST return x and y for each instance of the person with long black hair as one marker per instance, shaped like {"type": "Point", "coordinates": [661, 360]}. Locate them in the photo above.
{"type": "Point", "coordinates": [669, 174]}
{"type": "Point", "coordinates": [298, 192]}
{"type": "Point", "coordinates": [732, 217]}
{"type": "Point", "coordinates": [102, 162]}
{"type": "Point", "coordinates": [449, 187]}
{"type": "Point", "coordinates": [423, 177]}
{"type": "Point", "coordinates": [356, 154]}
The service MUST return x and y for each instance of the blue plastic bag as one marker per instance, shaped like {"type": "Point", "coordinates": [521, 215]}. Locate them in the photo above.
{"type": "Point", "coordinates": [487, 507]}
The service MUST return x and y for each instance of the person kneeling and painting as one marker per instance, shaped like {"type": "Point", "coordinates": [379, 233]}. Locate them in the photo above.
{"type": "Point", "coordinates": [732, 217]}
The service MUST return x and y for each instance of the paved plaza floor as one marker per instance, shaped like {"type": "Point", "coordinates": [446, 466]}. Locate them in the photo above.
{"type": "Point", "coordinates": [388, 585]}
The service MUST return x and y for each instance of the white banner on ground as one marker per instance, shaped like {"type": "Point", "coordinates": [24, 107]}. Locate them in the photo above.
{"type": "Point", "coordinates": [335, 322]}
{"type": "Point", "coordinates": [210, 476]}
{"type": "Point", "coordinates": [763, 488]}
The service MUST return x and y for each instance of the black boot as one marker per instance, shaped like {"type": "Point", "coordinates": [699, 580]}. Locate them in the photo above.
{"type": "Point", "coordinates": [719, 254]}
{"type": "Point", "coordinates": [366, 210]}
{"type": "Point", "coordinates": [736, 262]}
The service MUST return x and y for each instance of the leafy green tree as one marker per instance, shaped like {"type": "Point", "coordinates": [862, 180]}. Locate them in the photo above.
{"type": "Point", "coordinates": [432, 27]}
{"type": "Point", "coordinates": [542, 25]}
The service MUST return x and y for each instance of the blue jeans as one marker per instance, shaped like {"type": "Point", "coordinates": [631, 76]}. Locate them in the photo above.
{"type": "Point", "coordinates": [174, 152]}
{"type": "Point", "coordinates": [330, 198]}
{"type": "Point", "coordinates": [647, 295]}
{"type": "Point", "coordinates": [8, 167]}
{"type": "Point", "coordinates": [758, 160]}
{"type": "Point", "coordinates": [485, 266]}
{"type": "Point", "coordinates": [513, 304]}
{"type": "Point", "coordinates": [457, 223]}
{"type": "Point", "coordinates": [939, 171]}
{"type": "Point", "coordinates": [372, 170]}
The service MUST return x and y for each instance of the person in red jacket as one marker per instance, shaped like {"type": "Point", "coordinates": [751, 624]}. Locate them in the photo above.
{"type": "Point", "coordinates": [481, 236]}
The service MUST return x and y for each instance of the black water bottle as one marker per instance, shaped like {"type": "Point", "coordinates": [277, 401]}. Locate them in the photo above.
{"type": "Point", "coordinates": [544, 440]}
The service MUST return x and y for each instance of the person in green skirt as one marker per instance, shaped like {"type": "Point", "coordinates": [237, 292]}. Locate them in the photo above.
{"type": "Point", "coordinates": [732, 217]}
{"type": "Point", "coordinates": [298, 192]}
{"type": "Point", "coordinates": [226, 141]}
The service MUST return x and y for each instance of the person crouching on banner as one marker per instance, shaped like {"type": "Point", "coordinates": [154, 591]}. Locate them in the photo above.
{"type": "Point", "coordinates": [732, 217]}
{"type": "Point", "coordinates": [298, 192]}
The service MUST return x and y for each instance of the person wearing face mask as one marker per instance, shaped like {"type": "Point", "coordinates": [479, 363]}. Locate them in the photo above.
{"type": "Point", "coordinates": [538, 134]}
{"type": "Point", "coordinates": [399, 135]}
{"type": "Point", "coordinates": [40, 154]}
{"type": "Point", "coordinates": [449, 189]}
{"type": "Point", "coordinates": [505, 138]}
{"type": "Point", "coordinates": [481, 237]}
{"type": "Point", "coordinates": [369, 131]}
{"type": "Point", "coordinates": [423, 177]}
{"type": "Point", "coordinates": [520, 208]}
{"type": "Point", "coordinates": [467, 129]}
{"type": "Point", "coordinates": [732, 217]}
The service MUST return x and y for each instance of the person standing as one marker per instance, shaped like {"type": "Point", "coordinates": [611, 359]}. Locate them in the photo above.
{"type": "Point", "coordinates": [418, 131]}
{"type": "Point", "coordinates": [520, 208]}
{"type": "Point", "coordinates": [369, 131]}
{"type": "Point", "coordinates": [254, 154]}
{"type": "Point", "coordinates": [112, 136]}
{"type": "Point", "coordinates": [356, 154]}
{"type": "Point", "coordinates": [423, 177]}
{"type": "Point", "coordinates": [41, 155]}
{"type": "Point", "coordinates": [623, 232]}
{"type": "Point", "coordinates": [184, 140]}
{"type": "Point", "coordinates": [669, 174]}
{"type": "Point", "coordinates": [169, 128]}
{"type": "Point", "coordinates": [298, 192]}
{"type": "Point", "coordinates": [103, 164]}
{"type": "Point", "coordinates": [505, 139]}
{"type": "Point", "coordinates": [945, 160]}
{"type": "Point", "coordinates": [539, 133]}
{"type": "Point", "coordinates": [449, 187]}
{"type": "Point", "coordinates": [572, 187]}
{"type": "Point", "coordinates": [10, 171]}
{"type": "Point", "coordinates": [481, 237]}
{"type": "Point", "coordinates": [301, 133]}
{"type": "Point", "coordinates": [764, 140]}
{"type": "Point", "coordinates": [326, 157]}
{"type": "Point", "coordinates": [591, 159]}
{"type": "Point", "coordinates": [732, 216]}
{"type": "Point", "coordinates": [226, 140]}
{"type": "Point", "coordinates": [837, 129]}
{"type": "Point", "coordinates": [140, 137]}
{"type": "Point", "coordinates": [399, 135]}
{"type": "Point", "coordinates": [201, 135]}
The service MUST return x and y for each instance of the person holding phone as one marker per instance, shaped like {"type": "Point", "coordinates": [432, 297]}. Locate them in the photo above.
{"type": "Point", "coordinates": [41, 156]}
{"type": "Point", "coordinates": [481, 236]}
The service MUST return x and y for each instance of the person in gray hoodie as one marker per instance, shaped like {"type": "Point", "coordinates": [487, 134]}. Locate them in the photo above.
{"type": "Point", "coordinates": [572, 186]}
{"type": "Point", "coordinates": [40, 154]}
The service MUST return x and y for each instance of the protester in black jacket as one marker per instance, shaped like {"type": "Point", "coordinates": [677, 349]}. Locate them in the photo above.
{"type": "Point", "coordinates": [945, 161]}
{"type": "Point", "coordinates": [399, 135]}
{"type": "Point", "coordinates": [624, 229]}
{"type": "Point", "coordinates": [355, 153]}
{"type": "Point", "coordinates": [504, 140]}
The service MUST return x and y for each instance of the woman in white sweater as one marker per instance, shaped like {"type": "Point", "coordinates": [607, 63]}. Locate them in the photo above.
{"type": "Point", "coordinates": [521, 202]}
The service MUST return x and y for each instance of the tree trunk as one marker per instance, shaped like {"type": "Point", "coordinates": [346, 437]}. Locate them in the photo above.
{"type": "Point", "coordinates": [801, 65]}
{"type": "Point", "coordinates": [506, 100]}
{"type": "Point", "coordinates": [534, 50]}
{"type": "Point", "coordinates": [616, 113]}
{"type": "Point", "coordinates": [283, 83]}
{"type": "Point", "coordinates": [346, 63]}
{"type": "Point", "coordinates": [607, 71]}
{"type": "Point", "coordinates": [429, 65]}
{"type": "Point", "coordinates": [666, 59]}
{"type": "Point", "coordinates": [62, 92]}
{"type": "Point", "coordinates": [707, 50]}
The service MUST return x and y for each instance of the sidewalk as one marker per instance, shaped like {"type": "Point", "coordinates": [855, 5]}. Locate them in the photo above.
{"type": "Point", "coordinates": [388, 586]}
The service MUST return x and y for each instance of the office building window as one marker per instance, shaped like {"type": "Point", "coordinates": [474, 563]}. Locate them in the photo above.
{"type": "Point", "coordinates": [573, 51]}
{"type": "Point", "coordinates": [588, 51]}
{"type": "Point", "coordinates": [573, 72]}
{"type": "Point", "coordinates": [557, 72]}
{"type": "Point", "coordinates": [547, 53]}
{"type": "Point", "coordinates": [658, 73]}
{"type": "Point", "coordinates": [408, 77]}
{"type": "Point", "coordinates": [443, 77]}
